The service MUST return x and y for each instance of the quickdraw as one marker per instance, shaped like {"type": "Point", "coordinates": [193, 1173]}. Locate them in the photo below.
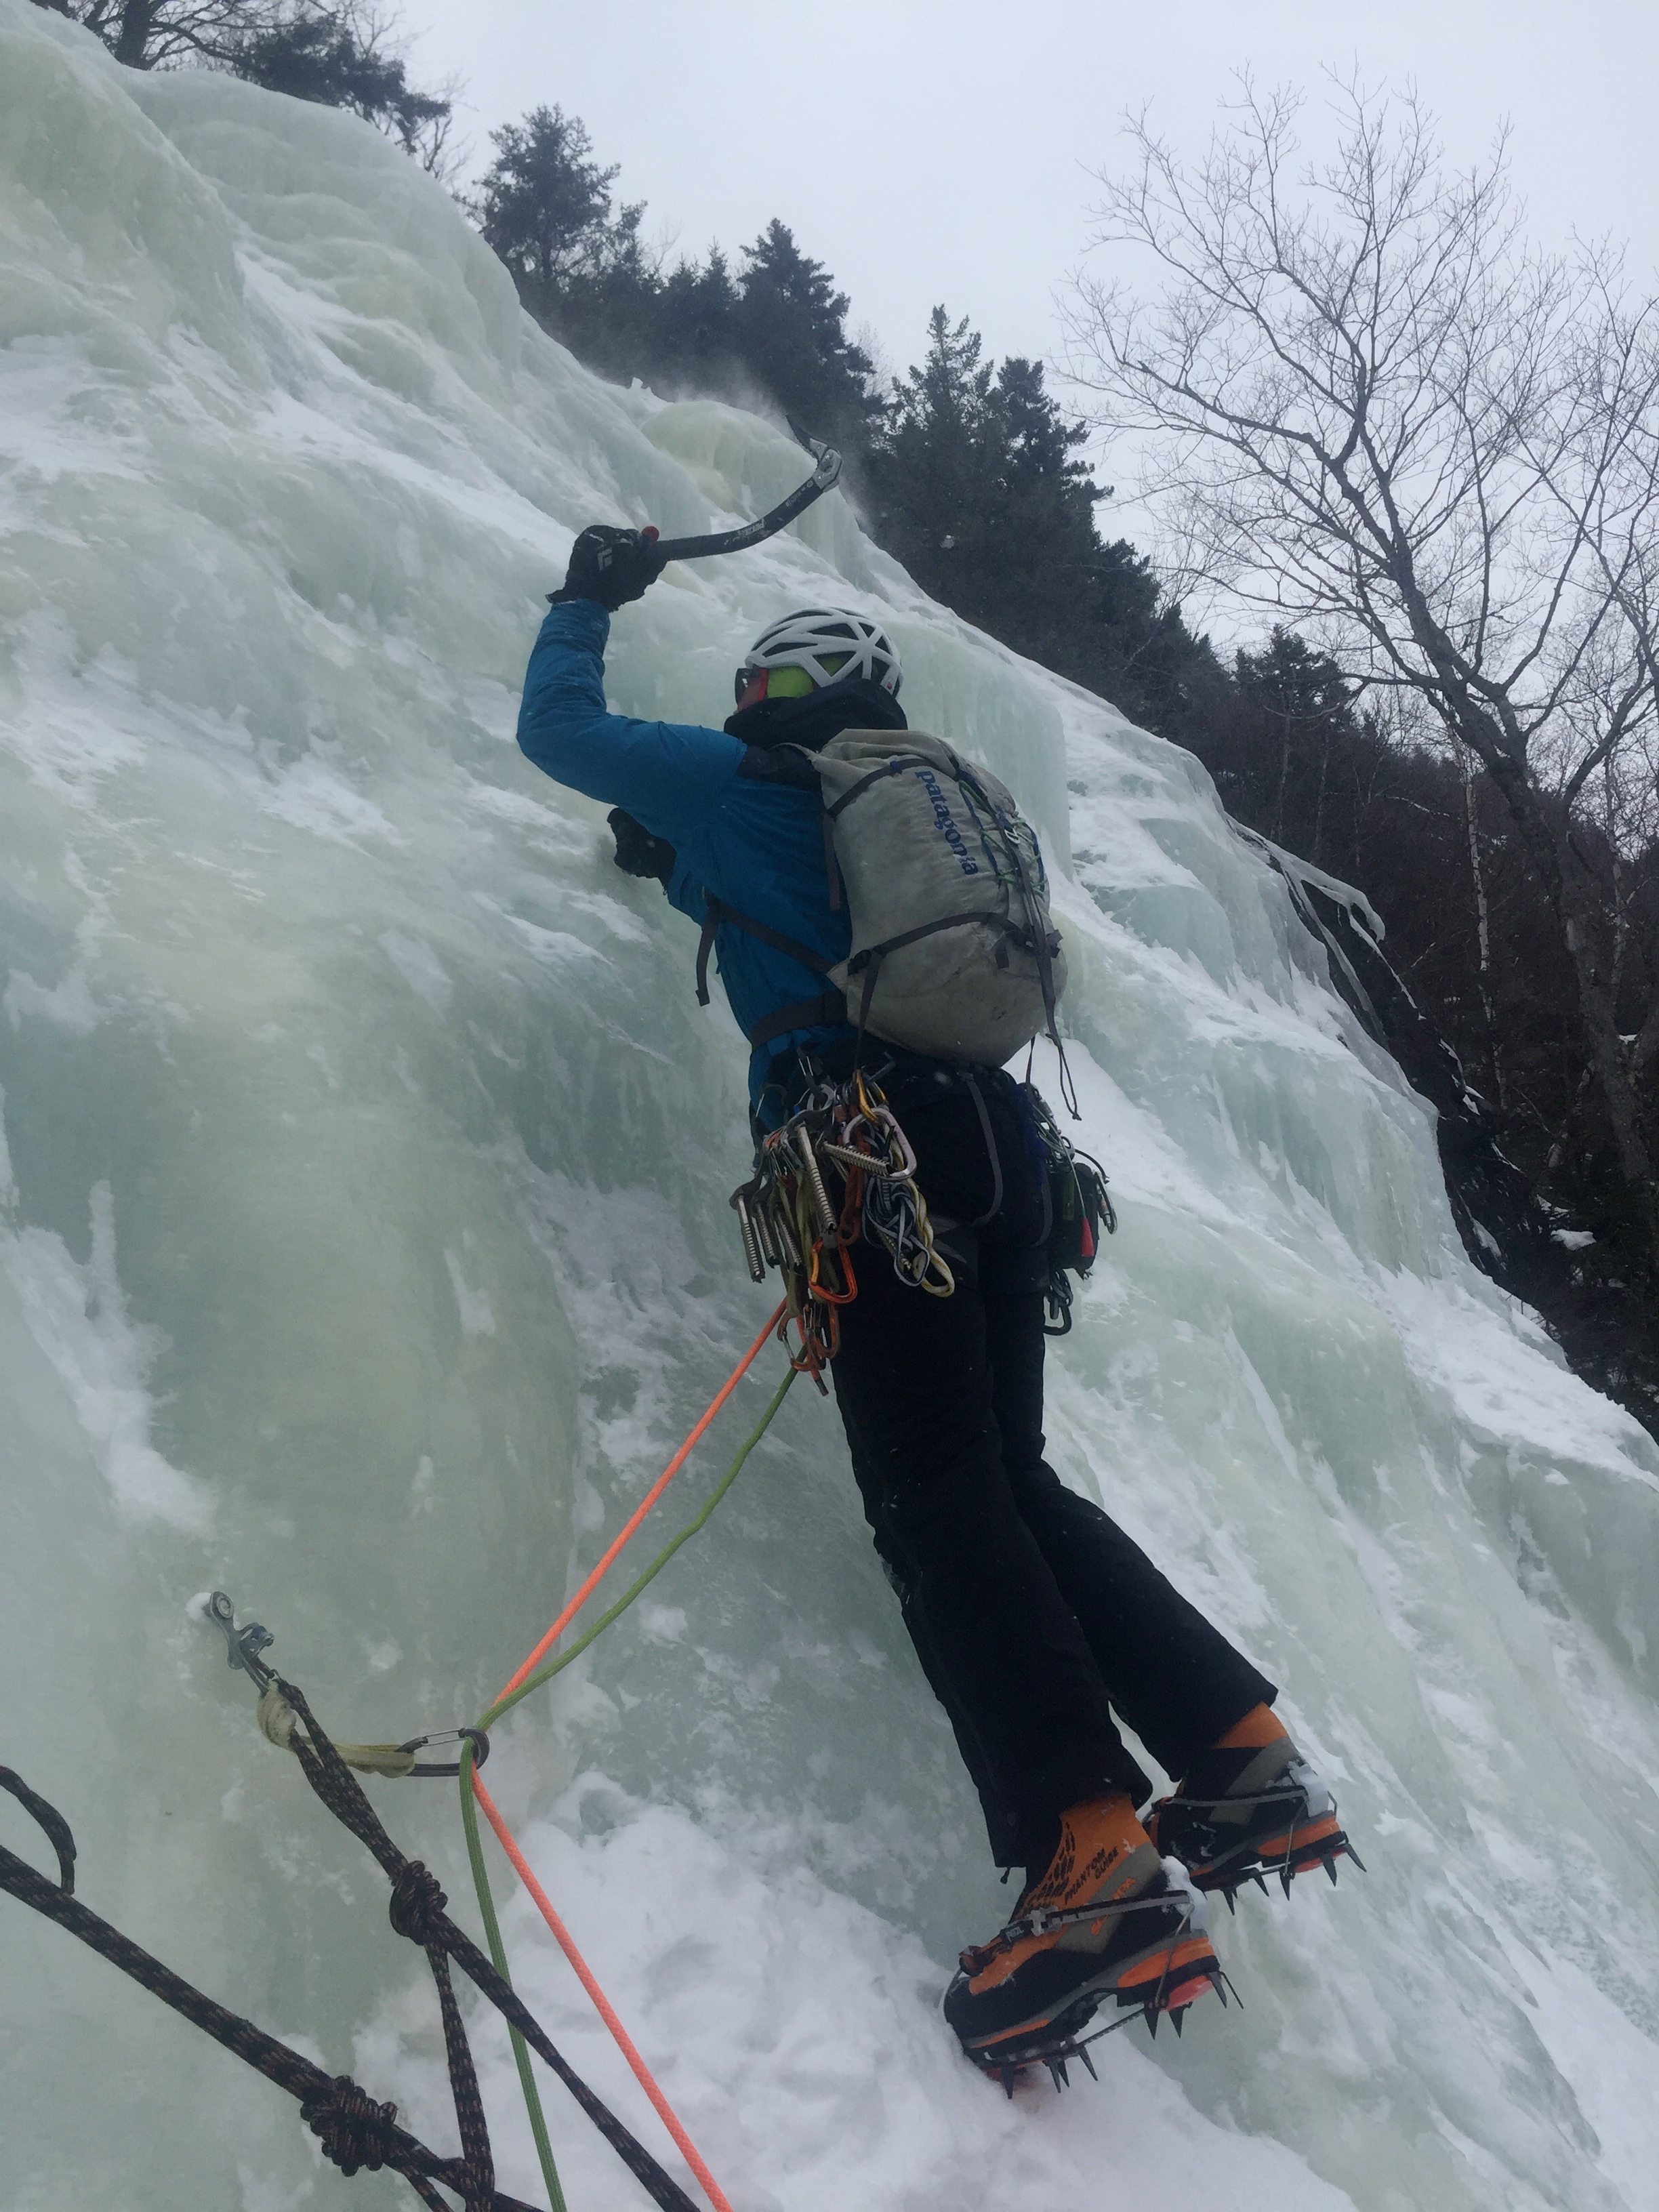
{"type": "Point", "coordinates": [838, 1171]}
{"type": "Point", "coordinates": [1080, 1209]}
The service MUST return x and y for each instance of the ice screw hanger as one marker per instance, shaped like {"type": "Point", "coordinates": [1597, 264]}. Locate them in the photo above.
{"type": "Point", "coordinates": [277, 1717]}
{"type": "Point", "coordinates": [244, 1645]}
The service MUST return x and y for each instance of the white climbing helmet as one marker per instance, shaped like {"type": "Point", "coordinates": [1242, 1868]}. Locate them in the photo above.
{"type": "Point", "coordinates": [825, 645]}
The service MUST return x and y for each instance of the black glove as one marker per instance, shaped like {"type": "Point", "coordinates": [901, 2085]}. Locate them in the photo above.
{"type": "Point", "coordinates": [610, 566]}
{"type": "Point", "coordinates": [638, 852]}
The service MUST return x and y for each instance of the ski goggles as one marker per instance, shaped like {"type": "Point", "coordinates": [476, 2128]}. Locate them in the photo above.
{"type": "Point", "coordinates": [750, 685]}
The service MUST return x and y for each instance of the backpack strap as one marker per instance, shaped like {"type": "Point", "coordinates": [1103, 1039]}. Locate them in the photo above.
{"type": "Point", "coordinates": [826, 1013]}
{"type": "Point", "coordinates": [715, 911]}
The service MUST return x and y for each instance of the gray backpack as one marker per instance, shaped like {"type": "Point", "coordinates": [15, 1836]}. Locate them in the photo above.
{"type": "Point", "coordinates": [954, 952]}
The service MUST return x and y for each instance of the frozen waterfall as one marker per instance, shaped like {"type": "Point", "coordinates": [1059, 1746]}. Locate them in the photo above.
{"type": "Point", "coordinates": [364, 1249]}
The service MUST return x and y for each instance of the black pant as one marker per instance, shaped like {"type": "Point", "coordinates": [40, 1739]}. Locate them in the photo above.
{"type": "Point", "coordinates": [1032, 1613]}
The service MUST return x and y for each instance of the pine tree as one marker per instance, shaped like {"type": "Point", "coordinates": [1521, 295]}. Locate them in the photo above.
{"type": "Point", "coordinates": [335, 60]}
{"type": "Point", "coordinates": [790, 327]}
{"type": "Point", "coordinates": [694, 343]}
{"type": "Point", "coordinates": [544, 206]}
{"type": "Point", "coordinates": [979, 487]}
{"type": "Point", "coordinates": [930, 477]}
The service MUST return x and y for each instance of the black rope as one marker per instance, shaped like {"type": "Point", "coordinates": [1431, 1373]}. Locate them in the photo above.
{"type": "Point", "coordinates": [470, 2119]}
{"type": "Point", "coordinates": [417, 1909]}
{"type": "Point", "coordinates": [349, 2124]}
{"type": "Point", "coordinates": [354, 2131]}
{"type": "Point", "coordinates": [417, 1905]}
{"type": "Point", "coordinates": [48, 1818]}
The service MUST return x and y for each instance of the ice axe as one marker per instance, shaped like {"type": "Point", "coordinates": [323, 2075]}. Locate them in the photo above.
{"type": "Point", "coordinates": [827, 473]}
{"type": "Point", "coordinates": [618, 565]}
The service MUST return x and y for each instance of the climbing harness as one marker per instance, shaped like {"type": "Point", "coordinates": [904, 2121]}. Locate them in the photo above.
{"type": "Point", "coordinates": [838, 1171]}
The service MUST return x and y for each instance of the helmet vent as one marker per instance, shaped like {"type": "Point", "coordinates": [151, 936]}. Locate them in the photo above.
{"type": "Point", "coordinates": [832, 645]}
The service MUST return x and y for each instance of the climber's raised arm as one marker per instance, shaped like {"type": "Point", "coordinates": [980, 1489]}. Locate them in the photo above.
{"type": "Point", "coordinates": [670, 777]}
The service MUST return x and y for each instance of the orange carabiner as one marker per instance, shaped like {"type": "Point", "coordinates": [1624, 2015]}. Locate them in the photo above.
{"type": "Point", "coordinates": [834, 1298]}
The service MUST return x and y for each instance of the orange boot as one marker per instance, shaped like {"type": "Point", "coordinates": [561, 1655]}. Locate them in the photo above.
{"type": "Point", "coordinates": [1102, 1924]}
{"type": "Point", "coordinates": [1249, 1803]}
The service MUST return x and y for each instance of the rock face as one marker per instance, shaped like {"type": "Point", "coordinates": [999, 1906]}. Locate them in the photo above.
{"type": "Point", "coordinates": [1599, 1319]}
{"type": "Point", "coordinates": [1503, 1230]}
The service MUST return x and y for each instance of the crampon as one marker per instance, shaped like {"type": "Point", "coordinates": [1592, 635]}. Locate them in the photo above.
{"type": "Point", "coordinates": [1287, 1828]}
{"type": "Point", "coordinates": [1157, 1961]}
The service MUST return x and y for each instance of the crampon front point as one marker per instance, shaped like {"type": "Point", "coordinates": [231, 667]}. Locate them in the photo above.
{"type": "Point", "coordinates": [1167, 1977]}
{"type": "Point", "coordinates": [1287, 1829]}
{"type": "Point", "coordinates": [1070, 2033]}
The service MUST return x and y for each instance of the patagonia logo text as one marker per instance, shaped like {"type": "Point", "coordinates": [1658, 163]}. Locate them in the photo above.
{"type": "Point", "coordinates": [947, 828]}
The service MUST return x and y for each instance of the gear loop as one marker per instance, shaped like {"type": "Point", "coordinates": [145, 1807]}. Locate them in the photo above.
{"type": "Point", "coordinates": [417, 1905]}
{"type": "Point", "coordinates": [354, 2130]}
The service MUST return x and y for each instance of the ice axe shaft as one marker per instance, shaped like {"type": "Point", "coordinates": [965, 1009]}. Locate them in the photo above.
{"type": "Point", "coordinates": [827, 472]}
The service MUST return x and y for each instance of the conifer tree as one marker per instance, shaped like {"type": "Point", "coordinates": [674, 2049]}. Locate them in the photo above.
{"type": "Point", "coordinates": [979, 487]}
{"type": "Point", "coordinates": [694, 342]}
{"type": "Point", "coordinates": [545, 205]}
{"type": "Point", "coordinates": [339, 59]}
{"type": "Point", "coordinates": [338, 53]}
{"type": "Point", "coordinates": [790, 327]}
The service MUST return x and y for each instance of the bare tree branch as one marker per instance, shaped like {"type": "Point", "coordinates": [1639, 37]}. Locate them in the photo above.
{"type": "Point", "coordinates": [1370, 407]}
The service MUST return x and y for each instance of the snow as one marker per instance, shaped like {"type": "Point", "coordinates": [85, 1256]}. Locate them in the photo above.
{"type": "Point", "coordinates": [364, 1251]}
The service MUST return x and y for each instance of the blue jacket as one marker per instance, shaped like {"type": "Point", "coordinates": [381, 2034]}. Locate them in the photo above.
{"type": "Point", "coordinates": [757, 846]}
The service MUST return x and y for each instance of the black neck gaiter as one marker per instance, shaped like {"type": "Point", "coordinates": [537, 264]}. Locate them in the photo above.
{"type": "Point", "coordinates": [812, 722]}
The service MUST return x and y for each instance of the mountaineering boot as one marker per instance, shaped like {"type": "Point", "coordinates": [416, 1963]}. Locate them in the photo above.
{"type": "Point", "coordinates": [1250, 1801]}
{"type": "Point", "coordinates": [1103, 1922]}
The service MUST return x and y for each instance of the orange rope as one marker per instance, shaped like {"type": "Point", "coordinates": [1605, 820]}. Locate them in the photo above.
{"type": "Point", "coordinates": [688, 2151]}
{"type": "Point", "coordinates": [664, 2110]}
{"type": "Point", "coordinates": [645, 1506]}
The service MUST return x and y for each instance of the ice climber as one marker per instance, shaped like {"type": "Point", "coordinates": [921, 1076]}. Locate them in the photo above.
{"type": "Point", "coordinates": [1032, 1613]}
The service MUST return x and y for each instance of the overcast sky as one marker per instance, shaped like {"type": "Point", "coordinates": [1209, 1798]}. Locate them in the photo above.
{"type": "Point", "coordinates": [934, 152]}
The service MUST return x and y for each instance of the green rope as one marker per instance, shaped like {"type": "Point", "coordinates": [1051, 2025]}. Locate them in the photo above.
{"type": "Point", "coordinates": [532, 2098]}
{"type": "Point", "coordinates": [699, 1521]}
{"type": "Point", "coordinates": [469, 1804]}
